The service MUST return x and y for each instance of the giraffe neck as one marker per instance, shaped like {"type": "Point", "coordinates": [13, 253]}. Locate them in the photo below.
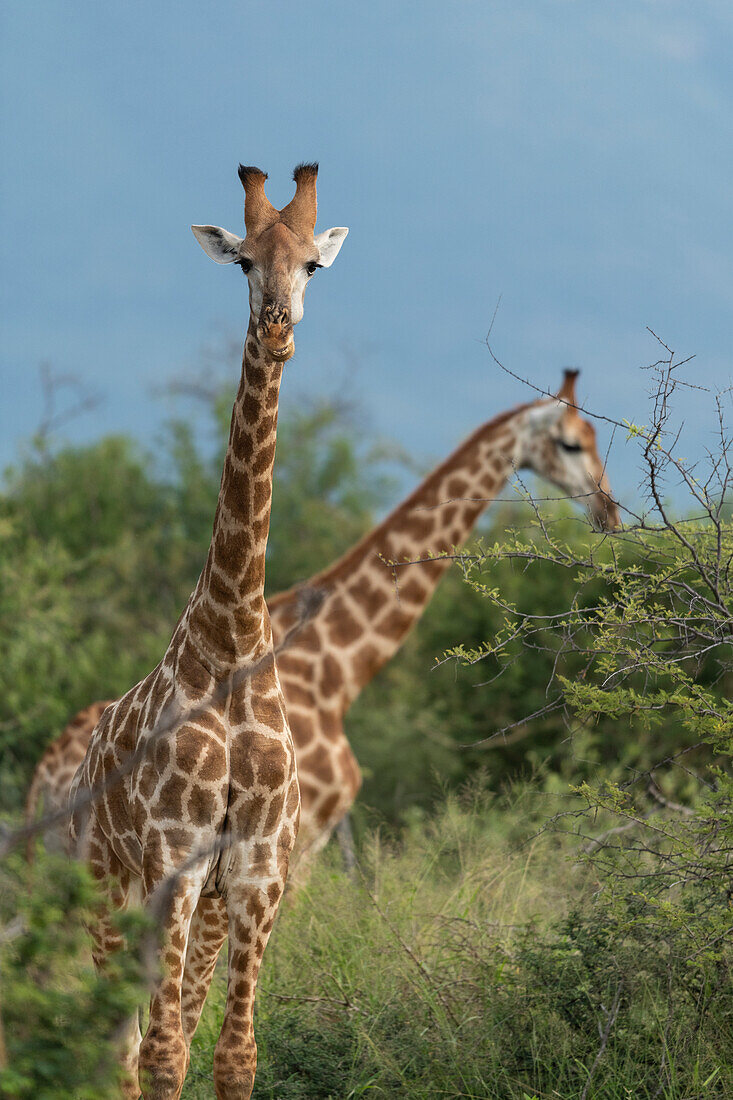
{"type": "Point", "coordinates": [228, 621]}
{"type": "Point", "coordinates": [371, 605]}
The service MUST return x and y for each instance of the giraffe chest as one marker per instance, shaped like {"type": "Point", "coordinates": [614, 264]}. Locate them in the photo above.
{"type": "Point", "coordinates": [229, 773]}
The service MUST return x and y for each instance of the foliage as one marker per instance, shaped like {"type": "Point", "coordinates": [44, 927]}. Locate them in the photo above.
{"type": "Point", "coordinates": [59, 1017]}
{"type": "Point", "coordinates": [424, 723]}
{"type": "Point", "coordinates": [652, 653]}
{"type": "Point", "coordinates": [469, 961]}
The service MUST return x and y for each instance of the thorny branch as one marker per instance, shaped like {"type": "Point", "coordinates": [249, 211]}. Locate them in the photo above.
{"type": "Point", "coordinates": [611, 1014]}
{"type": "Point", "coordinates": [52, 418]}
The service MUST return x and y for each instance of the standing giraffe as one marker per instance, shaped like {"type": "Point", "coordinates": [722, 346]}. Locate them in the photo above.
{"type": "Point", "coordinates": [211, 806]}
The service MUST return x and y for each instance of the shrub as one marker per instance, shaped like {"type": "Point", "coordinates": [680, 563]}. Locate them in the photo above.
{"type": "Point", "coordinates": [59, 1017]}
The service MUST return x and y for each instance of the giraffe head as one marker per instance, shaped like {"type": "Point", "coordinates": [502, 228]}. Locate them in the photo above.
{"type": "Point", "coordinates": [559, 444]}
{"type": "Point", "coordinates": [279, 254]}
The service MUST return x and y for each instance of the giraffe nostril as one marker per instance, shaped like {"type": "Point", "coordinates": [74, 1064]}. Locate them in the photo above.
{"type": "Point", "coordinates": [276, 315]}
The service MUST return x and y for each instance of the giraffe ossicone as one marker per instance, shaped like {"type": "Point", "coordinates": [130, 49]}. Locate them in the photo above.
{"type": "Point", "coordinates": [211, 806]}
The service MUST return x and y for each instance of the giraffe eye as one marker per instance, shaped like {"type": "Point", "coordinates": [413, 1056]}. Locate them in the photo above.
{"type": "Point", "coordinates": [570, 448]}
{"type": "Point", "coordinates": [245, 264]}
{"type": "Point", "coordinates": [312, 267]}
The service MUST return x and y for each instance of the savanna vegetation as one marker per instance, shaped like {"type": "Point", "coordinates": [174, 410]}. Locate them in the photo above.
{"type": "Point", "coordinates": [542, 902]}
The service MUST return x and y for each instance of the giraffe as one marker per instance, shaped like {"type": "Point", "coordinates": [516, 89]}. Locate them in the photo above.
{"type": "Point", "coordinates": [362, 622]}
{"type": "Point", "coordinates": [210, 808]}
{"type": "Point", "coordinates": [56, 769]}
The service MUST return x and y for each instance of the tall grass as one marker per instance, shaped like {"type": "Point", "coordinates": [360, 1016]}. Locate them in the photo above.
{"type": "Point", "coordinates": [468, 961]}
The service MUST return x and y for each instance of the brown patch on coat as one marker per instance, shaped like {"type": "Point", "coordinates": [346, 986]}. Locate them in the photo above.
{"type": "Point", "coordinates": [196, 680]}
{"type": "Point", "coordinates": [343, 629]}
{"type": "Point", "coordinates": [370, 597]}
{"type": "Point", "coordinates": [332, 677]}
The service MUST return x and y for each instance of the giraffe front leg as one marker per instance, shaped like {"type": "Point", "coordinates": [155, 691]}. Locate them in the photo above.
{"type": "Point", "coordinates": [312, 844]}
{"type": "Point", "coordinates": [119, 887]}
{"type": "Point", "coordinates": [208, 932]}
{"type": "Point", "coordinates": [345, 836]}
{"type": "Point", "coordinates": [106, 940]}
{"type": "Point", "coordinates": [317, 825]}
{"type": "Point", "coordinates": [163, 1058]}
{"type": "Point", "coordinates": [251, 911]}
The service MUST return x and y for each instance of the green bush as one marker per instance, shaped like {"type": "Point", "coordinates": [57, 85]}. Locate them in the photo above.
{"type": "Point", "coordinates": [644, 647]}
{"type": "Point", "coordinates": [473, 959]}
{"type": "Point", "coordinates": [59, 1017]}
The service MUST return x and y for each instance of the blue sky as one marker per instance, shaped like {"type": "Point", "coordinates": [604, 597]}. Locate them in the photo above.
{"type": "Point", "coordinates": [574, 158]}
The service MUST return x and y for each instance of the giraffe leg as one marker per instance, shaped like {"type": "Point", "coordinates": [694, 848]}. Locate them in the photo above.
{"type": "Point", "coordinates": [251, 911]}
{"type": "Point", "coordinates": [324, 811]}
{"type": "Point", "coordinates": [106, 939]}
{"type": "Point", "coordinates": [315, 833]}
{"type": "Point", "coordinates": [346, 844]}
{"type": "Point", "coordinates": [130, 1039]}
{"type": "Point", "coordinates": [205, 939]}
{"type": "Point", "coordinates": [163, 1059]}
{"type": "Point", "coordinates": [305, 854]}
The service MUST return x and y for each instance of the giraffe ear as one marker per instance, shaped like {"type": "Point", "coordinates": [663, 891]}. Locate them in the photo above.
{"type": "Point", "coordinates": [217, 243]}
{"type": "Point", "coordinates": [329, 244]}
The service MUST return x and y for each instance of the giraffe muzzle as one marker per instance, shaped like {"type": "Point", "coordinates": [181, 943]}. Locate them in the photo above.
{"type": "Point", "coordinates": [275, 332]}
{"type": "Point", "coordinates": [278, 349]}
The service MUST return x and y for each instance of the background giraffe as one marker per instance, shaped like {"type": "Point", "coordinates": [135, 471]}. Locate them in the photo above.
{"type": "Point", "coordinates": [211, 806]}
{"type": "Point", "coordinates": [321, 678]}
